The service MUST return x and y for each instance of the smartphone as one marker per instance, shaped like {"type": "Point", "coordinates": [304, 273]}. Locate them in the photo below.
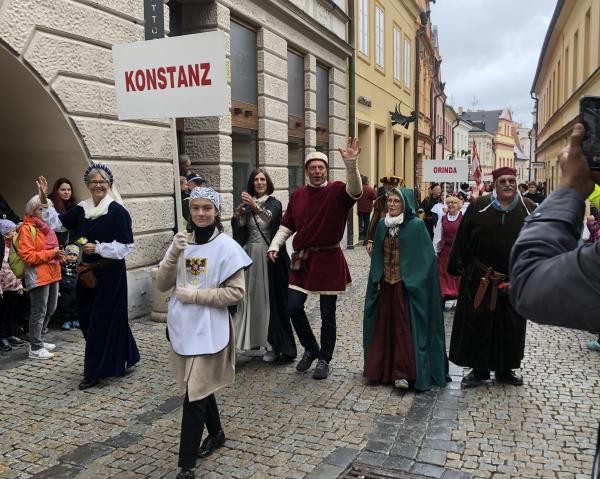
{"type": "Point", "coordinates": [589, 115]}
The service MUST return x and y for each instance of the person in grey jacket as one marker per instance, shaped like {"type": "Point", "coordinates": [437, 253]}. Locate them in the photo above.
{"type": "Point", "coordinates": [547, 265]}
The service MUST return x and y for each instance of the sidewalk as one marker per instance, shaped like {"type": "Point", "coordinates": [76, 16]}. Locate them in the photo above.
{"type": "Point", "coordinates": [281, 424]}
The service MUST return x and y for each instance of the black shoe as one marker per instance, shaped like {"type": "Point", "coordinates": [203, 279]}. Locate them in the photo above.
{"type": "Point", "coordinates": [14, 341]}
{"type": "Point", "coordinates": [5, 345]}
{"type": "Point", "coordinates": [186, 474]}
{"type": "Point", "coordinates": [474, 379]}
{"type": "Point", "coordinates": [88, 383]}
{"type": "Point", "coordinates": [211, 443]}
{"type": "Point", "coordinates": [286, 358]}
{"type": "Point", "coordinates": [508, 377]}
{"type": "Point", "coordinates": [306, 362]}
{"type": "Point", "coordinates": [321, 370]}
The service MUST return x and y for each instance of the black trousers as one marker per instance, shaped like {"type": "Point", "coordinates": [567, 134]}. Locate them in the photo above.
{"type": "Point", "coordinates": [8, 314]}
{"type": "Point", "coordinates": [195, 415]}
{"type": "Point", "coordinates": [327, 302]}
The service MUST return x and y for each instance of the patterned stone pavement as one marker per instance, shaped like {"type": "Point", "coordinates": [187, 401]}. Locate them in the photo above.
{"type": "Point", "coordinates": [280, 424]}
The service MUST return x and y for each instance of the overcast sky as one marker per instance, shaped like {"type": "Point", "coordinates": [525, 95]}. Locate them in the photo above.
{"type": "Point", "coordinates": [490, 50]}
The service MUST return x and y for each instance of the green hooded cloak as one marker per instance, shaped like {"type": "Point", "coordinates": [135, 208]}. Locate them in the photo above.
{"type": "Point", "coordinates": [418, 266]}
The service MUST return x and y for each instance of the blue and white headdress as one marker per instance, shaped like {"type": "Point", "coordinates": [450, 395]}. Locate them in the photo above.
{"type": "Point", "coordinates": [206, 193]}
{"type": "Point", "coordinates": [98, 166]}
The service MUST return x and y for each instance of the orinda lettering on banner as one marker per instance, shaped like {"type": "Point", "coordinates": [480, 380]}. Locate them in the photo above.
{"type": "Point", "coordinates": [445, 169]}
{"type": "Point", "coordinates": [181, 76]}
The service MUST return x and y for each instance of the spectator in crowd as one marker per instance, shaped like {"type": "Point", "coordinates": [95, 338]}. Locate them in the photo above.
{"type": "Point", "coordinates": [199, 325]}
{"type": "Point", "coordinates": [185, 165]}
{"type": "Point", "coordinates": [262, 319]}
{"type": "Point", "coordinates": [523, 188]}
{"type": "Point", "coordinates": [38, 248]}
{"type": "Point", "coordinates": [403, 325]}
{"type": "Point", "coordinates": [554, 280]}
{"type": "Point", "coordinates": [6, 211]}
{"type": "Point", "coordinates": [193, 180]}
{"type": "Point", "coordinates": [104, 227]}
{"type": "Point", "coordinates": [364, 205]}
{"type": "Point", "coordinates": [488, 334]}
{"type": "Point", "coordinates": [443, 239]}
{"type": "Point", "coordinates": [11, 291]}
{"type": "Point", "coordinates": [533, 194]}
{"type": "Point", "coordinates": [464, 193]}
{"type": "Point", "coordinates": [67, 299]}
{"type": "Point", "coordinates": [380, 206]}
{"type": "Point", "coordinates": [434, 197]}
{"type": "Point", "coordinates": [317, 213]}
{"type": "Point", "coordinates": [63, 199]}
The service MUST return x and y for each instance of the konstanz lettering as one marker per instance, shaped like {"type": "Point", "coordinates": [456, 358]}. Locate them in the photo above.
{"type": "Point", "coordinates": [445, 169]}
{"type": "Point", "coordinates": [161, 78]}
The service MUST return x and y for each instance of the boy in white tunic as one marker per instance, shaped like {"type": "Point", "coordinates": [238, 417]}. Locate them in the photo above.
{"type": "Point", "coordinates": [198, 322]}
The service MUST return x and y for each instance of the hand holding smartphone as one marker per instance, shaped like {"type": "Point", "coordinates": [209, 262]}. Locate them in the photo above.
{"type": "Point", "coordinates": [589, 116]}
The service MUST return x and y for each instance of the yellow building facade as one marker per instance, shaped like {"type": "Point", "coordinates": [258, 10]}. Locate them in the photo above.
{"type": "Point", "coordinates": [385, 75]}
{"type": "Point", "coordinates": [568, 68]}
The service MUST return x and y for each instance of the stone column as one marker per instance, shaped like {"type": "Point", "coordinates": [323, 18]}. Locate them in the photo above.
{"type": "Point", "coordinates": [338, 122]}
{"type": "Point", "coordinates": [310, 99]}
{"type": "Point", "coordinates": [273, 109]}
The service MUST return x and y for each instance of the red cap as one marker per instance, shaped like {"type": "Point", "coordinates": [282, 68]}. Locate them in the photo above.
{"type": "Point", "coordinates": [505, 170]}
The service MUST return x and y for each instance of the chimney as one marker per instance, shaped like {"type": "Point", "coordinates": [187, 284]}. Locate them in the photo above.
{"type": "Point", "coordinates": [460, 111]}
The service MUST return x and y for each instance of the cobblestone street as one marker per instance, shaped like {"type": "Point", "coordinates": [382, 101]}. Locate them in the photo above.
{"type": "Point", "coordinates": [281, 424]}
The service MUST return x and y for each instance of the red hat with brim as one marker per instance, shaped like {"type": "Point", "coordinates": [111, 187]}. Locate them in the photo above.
{"type": "Point", "coordinates": [505, 170]}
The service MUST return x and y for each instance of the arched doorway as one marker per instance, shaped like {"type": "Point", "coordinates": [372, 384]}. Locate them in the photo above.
{"type": "Point", "coordinates": [35, 136]}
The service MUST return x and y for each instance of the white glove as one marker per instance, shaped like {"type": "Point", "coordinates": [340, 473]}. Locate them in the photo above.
{"type": "Point", "coordinates": [179, 243]}
{"type": "Point", "coordinates": [186, 295]}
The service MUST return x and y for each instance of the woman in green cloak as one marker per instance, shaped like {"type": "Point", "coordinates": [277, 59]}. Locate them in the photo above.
{"type": "Point", "coordinates": [403, 326]}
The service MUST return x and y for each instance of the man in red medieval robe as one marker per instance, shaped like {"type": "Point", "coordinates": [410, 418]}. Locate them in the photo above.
{"type": "Point", "coordinates": [317, 213]}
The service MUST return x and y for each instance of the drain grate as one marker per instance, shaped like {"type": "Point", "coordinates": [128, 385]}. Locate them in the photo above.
{"type": "Point", "coordinates": [364, 471]}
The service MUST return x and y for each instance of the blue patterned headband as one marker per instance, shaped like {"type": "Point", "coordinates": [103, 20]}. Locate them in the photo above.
{"type": "Point", "coordinates": [206, 193]}
{"type": "Point", "coordinates": [98, 166]}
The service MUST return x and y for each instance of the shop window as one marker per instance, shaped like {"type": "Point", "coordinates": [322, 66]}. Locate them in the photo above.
{"type": "Point", "coordinates": [244, 158]}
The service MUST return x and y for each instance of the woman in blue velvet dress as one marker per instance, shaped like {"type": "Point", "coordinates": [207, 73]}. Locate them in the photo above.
{"type": "Point", "coordinates": [105, 226]}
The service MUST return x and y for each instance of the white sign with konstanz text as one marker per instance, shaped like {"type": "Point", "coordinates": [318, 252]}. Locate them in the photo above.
{"type": "Point", "coordinates": [171, 77]}
{"type": "Point", "coordinates": [453, 171]}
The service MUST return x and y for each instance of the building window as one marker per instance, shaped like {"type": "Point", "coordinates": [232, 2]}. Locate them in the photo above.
{"type": "Point", "coordinates": [244, 106]}
{"type": "Point", "coordinates": [397, 54]}
{"type": "Point", "coordinates": [295, 64]}
{"type": "Point", "coordinates": [244, 158]}
{"type": "Point", "coordinates": [363, 26]}
{"type": "Point", "coordinates": [379, 36]}
{"type": "Point", "coordinates": [243, 64]}
{"type": "Point", "coordinates": [295, 163]}
{"type": "Point", "coordinates": [407, 60]}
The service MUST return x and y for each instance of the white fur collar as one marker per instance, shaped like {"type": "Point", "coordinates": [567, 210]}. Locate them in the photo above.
{"type": "Point", "coordinates": [391, 221]}
{"type": "Point", "coordinates": [91, 211]}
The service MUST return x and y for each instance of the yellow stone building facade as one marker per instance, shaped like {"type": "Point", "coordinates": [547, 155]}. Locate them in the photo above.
{"type": "Point", "coordinates": [385, 82]}
{"type": "Point", "coordinates": [568, 68]}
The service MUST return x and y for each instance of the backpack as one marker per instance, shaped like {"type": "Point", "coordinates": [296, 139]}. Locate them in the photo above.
{"type": "Point", "coordinates": [16, 263]}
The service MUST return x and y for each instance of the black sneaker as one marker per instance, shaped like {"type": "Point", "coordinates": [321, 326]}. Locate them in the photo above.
{"type": "Point", "coordinates": [5, 345]}
{"type": "Point", "coordinates": [474, 379]}
{"type": "Point", "coordinates": [186, 474]}
{"type": "Point", "coordinates": [508, 377]}
{"type": "Point", "coordinates": [14, 341]}
{"type": "Point", "coordinates": [321, 370]}
{"type": "Point", "coordinates": [211, 443]}
{"type": "Point", "coordinates": [306, 362]}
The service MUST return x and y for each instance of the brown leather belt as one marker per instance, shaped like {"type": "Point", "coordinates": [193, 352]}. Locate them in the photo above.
{"type": "Point", "coordinates": [499, 281]}
{"type": "Point", "coordinates": [298, 257]}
